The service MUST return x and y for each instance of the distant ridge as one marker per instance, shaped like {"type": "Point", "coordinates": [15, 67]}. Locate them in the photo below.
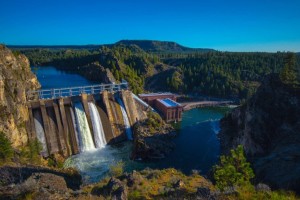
{"type": "Point", "coordinates": [146, 45]}
{"type": "Point", "coordinates": [89, 46]}
{"type": "Point", "coordinates": [162, 46]}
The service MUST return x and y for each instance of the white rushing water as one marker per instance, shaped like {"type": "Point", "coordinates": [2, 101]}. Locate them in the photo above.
{"type": "Point", "coordinates": [95, 165]}
{"type": "Point", "coordinates": [126, 120]}
{"type": "Point", "coordinates": [86, 142]}
{"type": "Point", "coordinates": [40, 133]}
{"type": "Point", "coordinates": [99, 135]}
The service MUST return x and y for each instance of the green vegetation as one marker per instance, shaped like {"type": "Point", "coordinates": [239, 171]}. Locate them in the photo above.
{"type": "Point", "coordinates": [150, 65]}
{"type": "Point", "coordinates": [171, 183]}
{"type": "Point", "coordinates": [6, 150]}
{"type": "Point", "coordinates": [30, 154]}
{"type": "Point", "coordinates": [154, 122]}
{"type": "Point", "coordinates": [223, 74]}
{"type": "Point", "coordinates": [153, 184]}
{"type": "Point", "coordinates": [233, 170]}
{"type": "Point", "coordinates": [16, 53]}
{"type": "Point", "coordinates": [117, 169]}
{"type": "Point", "coordinates": [290, 74]}
{"type": "Point", "coordinates": [55, 162]}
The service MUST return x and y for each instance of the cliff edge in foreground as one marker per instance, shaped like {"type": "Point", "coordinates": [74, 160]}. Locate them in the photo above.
{"type": "Point", "coordinates": [15, 79]}
{"type": "Point", "coordinates": [268, 126]}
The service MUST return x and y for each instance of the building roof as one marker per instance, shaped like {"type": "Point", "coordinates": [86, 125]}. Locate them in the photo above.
{"type": "Point", "coordinates": [156, 94]}
{"type": "Point", "coordinates": [168, 102]}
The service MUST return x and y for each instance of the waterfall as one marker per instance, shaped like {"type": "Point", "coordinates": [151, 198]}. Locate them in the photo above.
{"type": "Point", "coordinates": [85, 140]}
{"type": "Point", "coordinates": [99, 136]}
{"type": "Point", "coordinates": [40, 133]}
{"type": "Point", "coordinates": [126, 120]}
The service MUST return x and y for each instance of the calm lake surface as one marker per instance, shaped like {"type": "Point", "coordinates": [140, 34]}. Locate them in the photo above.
{"type": "Point", "coordinates": [50, 77]}
{"type": "Point", "coordinates": [197, 145]}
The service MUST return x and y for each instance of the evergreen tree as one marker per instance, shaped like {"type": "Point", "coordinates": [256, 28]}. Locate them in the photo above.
{"type": "Point", "coordinates": [233, 170]}
{"type": "Point", "coordinates": [289, 74]}
{"type": "Point", "coordinates": [6, 150]}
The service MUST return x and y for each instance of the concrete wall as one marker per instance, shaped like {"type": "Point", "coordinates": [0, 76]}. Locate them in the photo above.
{"type": "Point", "coordinates": [115, 116]}
{"type": "Point", "coordinates": [59, 129]}
{"type": "Point", "coordinates": [109, 136]}
{"type": "Point", "coordinates": [131, 109]}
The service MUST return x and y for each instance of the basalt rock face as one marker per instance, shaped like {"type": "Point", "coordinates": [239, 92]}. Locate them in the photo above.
{"type": "Point", "coordinates": [38, 182]}
{"type": "Point", "coordinates": [268, 126]}
{"type": "Point", "coordinates": [152, 145]}
{"type": "Point", "coordinates": [15, 79]}
{"type": "Point", "coordinates": [95, 72]}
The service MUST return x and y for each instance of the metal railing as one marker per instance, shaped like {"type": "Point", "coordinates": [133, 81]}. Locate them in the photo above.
{"type": "Point", "coordinates": [74, 91]}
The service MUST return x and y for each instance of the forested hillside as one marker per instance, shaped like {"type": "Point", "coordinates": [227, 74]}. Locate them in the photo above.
{"type": "Point", "coordinates": [162, 66]}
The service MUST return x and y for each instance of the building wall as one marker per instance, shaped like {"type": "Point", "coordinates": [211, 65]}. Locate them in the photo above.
{"type": "Point", "coordinates": [169, 113]}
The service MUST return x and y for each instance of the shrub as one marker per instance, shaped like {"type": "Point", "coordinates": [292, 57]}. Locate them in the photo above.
{"type": "Point", "coordinates": [154, 121]}
{"type": "Point", "coordinates": [135, 194]}
{"type": "Point", "coordinates": [6, 150]}
{"type": "Point", "coordinates": [233, 170]}
{"type": "Point", "coordinates": [116, 170]}
{"type": "Point", "coordinates": [31, 152]}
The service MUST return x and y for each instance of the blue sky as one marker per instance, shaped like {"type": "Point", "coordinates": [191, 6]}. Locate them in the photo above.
{"type": "Point", "coordinates": [229, 25]}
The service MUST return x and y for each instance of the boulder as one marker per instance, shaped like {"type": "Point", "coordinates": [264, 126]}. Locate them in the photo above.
{"type": "Point", "coordinates": [117, 189]}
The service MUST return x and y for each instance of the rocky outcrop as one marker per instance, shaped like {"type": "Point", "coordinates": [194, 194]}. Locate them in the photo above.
{"type": "Point", "coordinates": [150, 142]}
{"type": "Point", "coordinates": [155, 184]}
{"type": "Point", "coordinates": [38, 183]}
{"type": "Point", "coordinates": [96, 72]}
{"type": "Point", "coordinates": [15, 79]}
{"type": "Point", "coordinates": [268, 126]}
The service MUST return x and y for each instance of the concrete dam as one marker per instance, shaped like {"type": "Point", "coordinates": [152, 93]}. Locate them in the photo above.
{"type": "Point", "coordinates": [69, 121]}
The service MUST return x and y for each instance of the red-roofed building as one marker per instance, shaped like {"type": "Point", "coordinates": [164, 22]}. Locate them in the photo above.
{"type": "Point", "coordinates": [165, 104]}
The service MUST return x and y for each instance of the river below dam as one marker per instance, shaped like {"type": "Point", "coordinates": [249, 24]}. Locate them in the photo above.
{"type": "Point", "coordinates": [197, 146]}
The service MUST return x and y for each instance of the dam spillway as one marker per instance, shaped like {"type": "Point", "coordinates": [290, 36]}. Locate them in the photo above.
{"type": "Point", "coordinates": [70, 125]}
{"type": "Point", "coordinates": [99, 134]}
{"type": "Point", "coordinates": [84, 134]}
{"type": "Point", "coordinates": [126, 120]}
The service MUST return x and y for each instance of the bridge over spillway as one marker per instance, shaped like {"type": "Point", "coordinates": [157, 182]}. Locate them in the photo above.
{"type": "Point", "coordinates": [57, 93]}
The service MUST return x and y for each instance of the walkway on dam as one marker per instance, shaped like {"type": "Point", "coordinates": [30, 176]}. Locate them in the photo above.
{"type": "Point", "coordinates": [196, 104]}
{"type": "Point", "coordinates": [74, 91]}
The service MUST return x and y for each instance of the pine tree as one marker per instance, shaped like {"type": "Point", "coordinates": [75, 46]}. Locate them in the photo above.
{"type": "Point", "coordinates": [233, 170]}
{"type": "Point", "coordinates": [6, 150]}
{"type": "Point", "coordinates": [288, 75]}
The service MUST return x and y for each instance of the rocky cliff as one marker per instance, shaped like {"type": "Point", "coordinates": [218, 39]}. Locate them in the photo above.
{"type": "Point", "coordinates": [32, 182]}
{"type": "Point", "coordinates": [152, 138]}
{"type": "Point", "coordinates": [268, 126]}
{"type": "Point", "coordinates": [15, 79]}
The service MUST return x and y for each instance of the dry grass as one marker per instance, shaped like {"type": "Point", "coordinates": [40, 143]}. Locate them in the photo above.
{"type": "Point", "coordinates": [156, 182]}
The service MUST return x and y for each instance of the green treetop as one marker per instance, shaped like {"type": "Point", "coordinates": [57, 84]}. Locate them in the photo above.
{"type": "Point", "coordinates": [233, 170]}
{"type": "Point", "coordinates": [290, 74]}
